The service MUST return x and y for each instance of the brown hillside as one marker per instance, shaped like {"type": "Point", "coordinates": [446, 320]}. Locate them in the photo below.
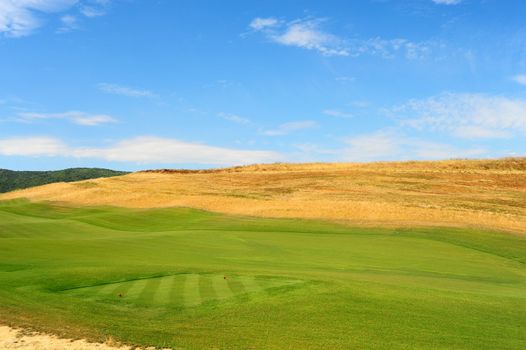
{"type": "Point", "coordinates": [483, 193]}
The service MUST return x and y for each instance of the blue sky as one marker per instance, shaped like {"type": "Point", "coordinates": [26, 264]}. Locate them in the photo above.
{"type": "Point", "coordinates": [131, 84]}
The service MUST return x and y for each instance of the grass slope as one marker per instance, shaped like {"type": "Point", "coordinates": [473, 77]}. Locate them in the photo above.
{"type": "Point", "coordinates": [289, 283]}
{"type": "Point", "coordinates": [13, 180]}
{"type": "Point", "coordinates": [488, 194]}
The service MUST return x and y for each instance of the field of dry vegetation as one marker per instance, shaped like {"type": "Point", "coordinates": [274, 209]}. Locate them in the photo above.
{"type": "Point", "coordinates": [476, 193]}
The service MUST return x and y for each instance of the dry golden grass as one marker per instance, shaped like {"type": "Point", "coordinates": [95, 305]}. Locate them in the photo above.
{"type": "Point", "coordinates": [478, 193]}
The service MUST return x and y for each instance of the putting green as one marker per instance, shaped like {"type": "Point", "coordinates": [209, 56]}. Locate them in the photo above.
{"type": "Point", "coordinates": [157, 278]}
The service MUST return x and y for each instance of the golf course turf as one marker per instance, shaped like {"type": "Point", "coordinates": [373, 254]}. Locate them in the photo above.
{"type": "Point", "coordinates": [186, 278]}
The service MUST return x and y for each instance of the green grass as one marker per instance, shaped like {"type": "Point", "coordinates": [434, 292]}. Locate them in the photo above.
{"type": "Point", "coordinates": [192, 279]}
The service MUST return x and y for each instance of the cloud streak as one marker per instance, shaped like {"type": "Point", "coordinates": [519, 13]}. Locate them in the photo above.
{"type": "Point", "coordinates": [19, 18]}
{"type": "Point", "coordinates": [387, 145]}
{"type": "Point", "coordinates": [234, 118]}
{"type": "Point", "coordinates": [32, 146]}
{"type": "Point", "coordinates": [520, 79]}
{"type": "Point", "coordinates": [447, 2]}
{"type": "Point", "coordinates": [124, 90]}
{"type": "Point", "coordinates": [140, 150]}
{"type": "Point", "coordinates": [466, 115]}
{"type": "Point", "coordinates": [390, 145]}
{"type": "Point", "coordinates": [337, 113]}
{"type": "Point", "coordinates": [308, 34]}
{"type": "Point", "coordinates": [76, 117]}
{"type": "Point", "coordinates": [287, 128]}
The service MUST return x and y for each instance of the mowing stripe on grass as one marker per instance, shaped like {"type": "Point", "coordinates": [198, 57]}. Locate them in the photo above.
{"type": "Point", "coordinates": [149, 290]}
{"type": "Point", "coordinates": [162, 296]}
{"type": "Point", "coordinates": [106, 289]}
{"type": "Point", "coordinates": [191, 290]}
{"type": "Point", "coordinates": [206, 288]}
{"type": "Point", "coordinates": [117, 287]}
{"type": "Point", "coordinates": [221, 287]}
{"type": "Point", "coordinates": [250, 284]}
{"type": "Point", "coordinates": [136, 288]}
{"type": "Point", "coordinates": [177, 290]}
{"type": "Point", "coordinates": [235, 286]}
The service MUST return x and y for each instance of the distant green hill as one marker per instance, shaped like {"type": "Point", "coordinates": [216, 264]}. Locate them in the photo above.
{"type": "Point", "coordinates": [13, 180]}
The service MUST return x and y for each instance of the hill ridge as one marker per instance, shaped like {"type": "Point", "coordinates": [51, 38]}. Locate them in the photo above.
{"type": "Point", "coordinates": [14, 180]}
{"type": "Point", "coordinates": [487, 194]}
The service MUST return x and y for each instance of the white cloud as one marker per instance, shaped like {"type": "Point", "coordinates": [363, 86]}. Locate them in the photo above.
{"type": "Point", "coordinates": [76, 117]}
{"type": "Point", "coordinates": [385, 145]}
{"type": "Point", "coordinates": [447, 2]}
{"type": "Point", "coordinates": [234, 118]}
{"type": "Point", "coordinates": [390, 145]}
{"type": "Point", "coordinates": [95, 8]}
{"type": "Point", "coordinates": [21, 17]}
{"type": "Point", "coordinates": [141, 150]}
{"type": "Point", "coordinates": [307, 34]}
{"type": "Point", "coordinates": [520, 79]}
{"type": "Point", "coordinates": [69, 20]}
{"type": "Point", "coordinates": [377, 146]}
{"type": "Point", "coordinates": [32, 146]}
{"type": "Point", "coordinates": [124, 90]}
{"type": "Point", "coordinates": [479, 132]}
{"type": "Point", "coordinates": [261, 23]}
{"type": "Point", "coordinates": [337, 113]}
{"type": "Point", "coordinates": [287, 128]}
{"type": "Point", "coordinates": [390, 48]}
{"type": "Point", "coordinates": [466, 115]}
{"type": "Point", "coordinates": [68, 23]}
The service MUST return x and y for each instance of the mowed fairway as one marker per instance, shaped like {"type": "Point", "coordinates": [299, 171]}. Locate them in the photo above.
{"type": "Point", "coordinates": [185, 278]}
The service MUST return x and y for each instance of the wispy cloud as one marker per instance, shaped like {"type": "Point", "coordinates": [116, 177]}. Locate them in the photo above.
{"type": "Point", "coordinates": [387, 145]}
{"type": "Point", "coordinates": [124, 90]}
{"type": "Point", "coordinates": [19, 18]}
{"type": "Point", "coordinates": [69, 23]}
{"type": "Point", "coordinates": [447, 2]}
{"type": "Point", "coordinates": [390, 48]}
{"type": "Point", "coordinates": [337, 113]}
{"type": "Point", "coordinates": [345, 79]}
{"type": "Point", "coordinates": [287, 128]}
{"type": "Point", "coordinates": [80, 118]}
{"type": "Point", "coordinates": [95, 8]}
{"type": "Point", "coordinates": [466, 115]}
{"type": "Point", "coordinates": [234, 118]}
{"type": "Point", "coordinates": [308, 34]}
{"type": "Point", "coordinates": [480, 132]}
{"type": "Point", "coordinates": [520, 79]}
{"type": "Point", "coordinates": [32, 146]}
{"type": "Point", "coordinates": [140, 150]}
{"type": "Point", "coordinates": [262, 23]}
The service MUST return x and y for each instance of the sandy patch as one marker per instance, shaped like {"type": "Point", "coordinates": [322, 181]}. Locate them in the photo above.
{"type": "Point", "coordinates": [11, 338]}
